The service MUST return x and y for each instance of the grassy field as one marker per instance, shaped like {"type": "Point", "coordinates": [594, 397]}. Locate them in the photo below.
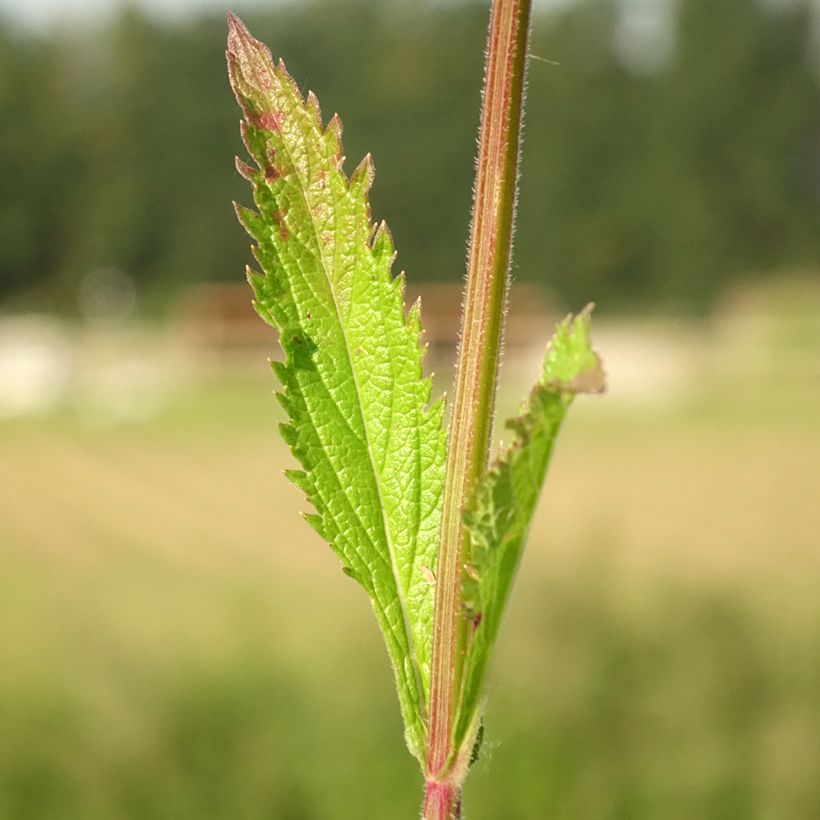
{"type": "Point", "coordinates": [176, 644]}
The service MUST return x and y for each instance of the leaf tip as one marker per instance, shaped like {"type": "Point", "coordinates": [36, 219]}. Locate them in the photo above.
{"type": "Point", "coordinates": [298, 478]}
{"type": "Point", "coordinates": [251, 274]}
{"type": "Point", "coordinates": [289, 435]}
{"type": "Point", "coordinates": [364, 174]}
{"type": "Point", "coordinates": [570, 363]}
{"type": "Point", "coordinates": [250, 68]}
{"type": "Point", "coordinates": [244, 170]}
{"type": "Point", "coordinates": [335, 125]}
{"type": "Point", "coordinates": [313, 105]}
{"type": "Point", "coordinates": [236, 29]}
{"type": "Point", "coordinates": [315, 522]}
{"type": "Point", "coordinates": [351, 573]}
{"type": "Point", "coordinates": [382, 243]}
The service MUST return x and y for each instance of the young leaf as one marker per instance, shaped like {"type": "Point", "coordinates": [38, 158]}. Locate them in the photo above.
{"type": "Point", "coordinates": [503, 502]}
{"type": "Point", "coordinates": [371, 448]}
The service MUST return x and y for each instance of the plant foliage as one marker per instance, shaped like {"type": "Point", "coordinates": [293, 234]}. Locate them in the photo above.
{"type": "Point", "coordinates": [499, 517]}
{"type": "Point", "coordinates": [371, 449]}
{"type": "Point", "coordinates": [371, 446]}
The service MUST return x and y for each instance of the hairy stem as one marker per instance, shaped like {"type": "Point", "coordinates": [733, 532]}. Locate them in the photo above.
{"type": "Point", "coordinates": [479, 353]}
{"type": "Point", "coordinates": [442, 801]}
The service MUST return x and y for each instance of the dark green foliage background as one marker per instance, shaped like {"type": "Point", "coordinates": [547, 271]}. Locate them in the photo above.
{"type": "Point", "coordinates": [657, 189]}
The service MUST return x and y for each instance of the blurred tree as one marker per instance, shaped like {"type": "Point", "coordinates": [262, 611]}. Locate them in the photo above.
{"type": "Point", "coordinates": [39, 132]}
{"type": "Point", "coordinates": [644, 183]}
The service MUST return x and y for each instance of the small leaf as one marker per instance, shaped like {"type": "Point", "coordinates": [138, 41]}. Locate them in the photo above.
{"type": "Point", "coordinates": [499, 515]}
{"type": "Point", "coordinates": [371, 449]}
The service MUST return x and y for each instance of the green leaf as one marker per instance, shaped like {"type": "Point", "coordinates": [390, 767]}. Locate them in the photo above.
{"type": "Point", "coordinates": [352, 385]}
{"type": "Point", "coordinates": [499, 515]}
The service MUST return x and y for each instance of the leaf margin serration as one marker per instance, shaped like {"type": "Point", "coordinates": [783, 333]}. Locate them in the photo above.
{"type": "Point", "coordinates": [261, 86]}
{"type": "Point", "coordinates": [498, 528]}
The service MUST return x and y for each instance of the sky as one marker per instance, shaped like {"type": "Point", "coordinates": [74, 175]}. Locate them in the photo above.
{"type": "Point", "coordinates": [46, 13]}
{"type": "Point", "coordinates": [644, 36]}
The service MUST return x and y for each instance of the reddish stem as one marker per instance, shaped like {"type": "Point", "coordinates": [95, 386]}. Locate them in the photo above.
{"type": "Point", "coordinates": [442, 801]}
{"type": "Point", "coordinates": [479, 353]}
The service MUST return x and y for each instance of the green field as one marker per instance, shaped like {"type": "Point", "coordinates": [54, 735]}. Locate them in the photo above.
{"type": "Point", "coordinates": [177, 645]}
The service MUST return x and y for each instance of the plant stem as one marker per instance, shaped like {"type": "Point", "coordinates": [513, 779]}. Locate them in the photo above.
{"type": "Point", "coordinates": [442, 801]}
{"type": "Point", "coordinates": [477, 369]}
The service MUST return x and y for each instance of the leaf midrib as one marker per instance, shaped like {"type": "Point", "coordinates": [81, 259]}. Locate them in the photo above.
{"type": "Point", "coordinates": [411, 644]}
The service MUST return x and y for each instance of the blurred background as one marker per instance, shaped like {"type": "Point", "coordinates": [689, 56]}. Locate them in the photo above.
{"type": "Point", "coordinates": [175, 643]}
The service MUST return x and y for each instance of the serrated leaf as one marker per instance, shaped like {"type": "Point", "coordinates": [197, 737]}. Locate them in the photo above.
{"type": "Point", "coordinates": [499, 515]}
{"type": "Point", "coordinates": [352, 385]}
